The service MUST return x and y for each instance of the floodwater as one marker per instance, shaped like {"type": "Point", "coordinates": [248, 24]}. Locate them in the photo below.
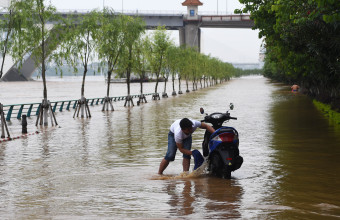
{"type": "Point", "coordinates": [106, 167]}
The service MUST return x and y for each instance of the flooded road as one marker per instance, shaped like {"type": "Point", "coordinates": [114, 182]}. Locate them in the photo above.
{"type": "Point", "coordinates": [106, 167]}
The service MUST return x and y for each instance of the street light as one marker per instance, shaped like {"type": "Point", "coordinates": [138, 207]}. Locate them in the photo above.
{"type": "Point", "coordinates": [217, 7]}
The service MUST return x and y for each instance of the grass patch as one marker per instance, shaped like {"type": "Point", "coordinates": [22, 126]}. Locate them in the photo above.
{"type": "Point", "coordinates": [332, 115]}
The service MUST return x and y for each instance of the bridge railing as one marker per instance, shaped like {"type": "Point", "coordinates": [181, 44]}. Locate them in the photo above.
{"type": "Point", "coordinates": [225, 18]}
{"type": "Point", "coordinates": [153, 12]}
{"type": "Point", "coordinates": [32, 109]}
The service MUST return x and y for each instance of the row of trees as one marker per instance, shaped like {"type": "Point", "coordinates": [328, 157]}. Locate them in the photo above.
{"type": "Point", "coordinates": [302, 40]}
{"type": "Point", "coordinates": [118, 41]}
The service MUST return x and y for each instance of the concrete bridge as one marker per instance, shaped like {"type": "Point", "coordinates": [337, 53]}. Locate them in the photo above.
{"type": "Point", "coordinates": [189, 27]}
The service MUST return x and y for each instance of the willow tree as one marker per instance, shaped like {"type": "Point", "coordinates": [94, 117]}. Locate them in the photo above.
{"type": "Point", "coordinates": [157, 52]}
{"type": "Point", "coordinates": [165, 73]}
{"type": "Point", "coordinates": [6, 28]}
{"type": "Point", "coordinates": [141, 63]}
{"type": "Point", "coordinates": [109, 47]}
{"type": "Point", "coordinates": [194, 68]}
{"type": "Point", "coordinates": [172, 61]}
{"type": "Point", "coordinates": [79, 47]}
{"type": "Point", "coordinates": [181, 65]}
{"type": "Point", "coordinates": [204, 61]}
{"type": "Point", "coordinates": [132, 28]}
{"type": "Point", "coordinates": [34, 36]}
{"type": "Point", "coordinates": [187, 65]}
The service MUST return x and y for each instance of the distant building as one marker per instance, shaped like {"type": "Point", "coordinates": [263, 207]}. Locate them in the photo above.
{"type": "Point", "coordinates": [192, 6]}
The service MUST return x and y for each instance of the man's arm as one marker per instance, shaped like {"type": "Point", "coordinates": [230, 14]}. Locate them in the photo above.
{"type": "Point", "coordinates": [207, 127]}
{"type": "Point", "coordinates": [182, 150]}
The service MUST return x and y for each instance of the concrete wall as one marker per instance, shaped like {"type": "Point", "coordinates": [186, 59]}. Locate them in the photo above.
{"type": "Point", "coordinates": [190, 35]}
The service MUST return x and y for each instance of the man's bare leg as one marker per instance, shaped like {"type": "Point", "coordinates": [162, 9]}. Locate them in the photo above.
{"type": "Point", "coordinates": [186, 164]}
{"type": "Point", "coordinates": [164, 164]}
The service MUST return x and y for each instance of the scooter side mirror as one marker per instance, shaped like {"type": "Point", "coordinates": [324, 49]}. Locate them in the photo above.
{"type": "Point", "coordinates": [202, 110]}
{"type": "Point", "coordinates": [231, 106]}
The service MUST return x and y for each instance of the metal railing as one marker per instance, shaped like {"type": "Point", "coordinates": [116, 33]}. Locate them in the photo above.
{"type": "Point", "coordinates": [32, 109]}
{"type": "Point", "coordinates": [152, 12]}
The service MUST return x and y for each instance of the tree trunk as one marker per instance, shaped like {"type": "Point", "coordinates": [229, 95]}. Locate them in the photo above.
{"type": "Point", "coordinates": [128, 72]}
{"type": "Point", "coordinates": [83, 83]}
{"type": "Point", "coordinates": [158, 72]}
{"type": "Point", "coordinates": [109, 72]}
{"type": "Point", "coordinates": [6, 42]}
{"type": "Point", "coordinates": [165, 81]}
{"type": "Point", "coordinates": [179, 83]}
{"type": "Point", "coordinates": [128, 81]}
{"type": "Point", "coordinates": [43, 71]}
{"type": "Point", "coordinates": [187, 83]}
{"type": "Point", "coordinates": [173, 82]}
{"type": "Point", "coordinates": [142, 77]}
{"type": "Point", "coordinates": [157, 75]}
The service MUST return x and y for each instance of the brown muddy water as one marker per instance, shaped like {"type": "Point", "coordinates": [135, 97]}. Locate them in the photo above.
{"type": "Point", "coordinates": [106, 167]}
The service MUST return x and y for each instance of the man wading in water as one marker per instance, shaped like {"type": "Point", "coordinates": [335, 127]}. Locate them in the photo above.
{"type": "Point", "coordinates": [180, 137]}
{"type": "Point", "coordinates": [295, 88]}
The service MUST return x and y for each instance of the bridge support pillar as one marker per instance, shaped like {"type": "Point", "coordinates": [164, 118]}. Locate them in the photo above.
{"type": "Point", "coordinates": [190, 35]}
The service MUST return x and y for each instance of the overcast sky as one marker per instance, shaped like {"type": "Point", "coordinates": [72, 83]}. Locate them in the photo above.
{"type": "Point", "coordinates": [230, 45]}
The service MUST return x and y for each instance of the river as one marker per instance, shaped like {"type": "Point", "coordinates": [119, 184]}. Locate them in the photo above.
{"type": "Point", "coordinates": [106, 167]}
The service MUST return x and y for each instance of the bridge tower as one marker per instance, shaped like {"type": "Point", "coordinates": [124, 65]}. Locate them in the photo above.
{"type": "Point", "coordinates": [190, 34]}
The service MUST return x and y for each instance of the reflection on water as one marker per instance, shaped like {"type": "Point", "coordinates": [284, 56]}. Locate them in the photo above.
{"type": "Point", "coordinates": [308, 153]}
{"type": "Point", "coordinates": [205, 197]}
{"type": "Point", "coordinates": [105, 167]}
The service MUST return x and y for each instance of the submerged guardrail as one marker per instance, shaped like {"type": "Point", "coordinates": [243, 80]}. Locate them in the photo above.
{"type": "Point", "coordinates": [29, 109]}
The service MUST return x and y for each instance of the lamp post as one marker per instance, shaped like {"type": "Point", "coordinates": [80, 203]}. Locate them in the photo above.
{"type": "Point", "coordinates": [217, 6]}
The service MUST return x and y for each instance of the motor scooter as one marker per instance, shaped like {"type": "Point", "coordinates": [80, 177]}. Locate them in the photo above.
{"type": "Point", "coordinates": [221, 147]}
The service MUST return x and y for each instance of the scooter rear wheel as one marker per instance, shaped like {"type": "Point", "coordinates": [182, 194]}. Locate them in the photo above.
{"type": "Point", "coordinates": [215, 165]}
{"type": "Point", "coordinates": [226, 174]}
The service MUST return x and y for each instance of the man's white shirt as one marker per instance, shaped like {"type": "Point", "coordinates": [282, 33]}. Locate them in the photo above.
{"type": "Point", "coordinates": [179, 134]}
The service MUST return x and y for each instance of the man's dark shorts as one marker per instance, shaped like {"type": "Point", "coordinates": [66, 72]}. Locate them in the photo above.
{"type": "Point", "coordinates": [172, 147]}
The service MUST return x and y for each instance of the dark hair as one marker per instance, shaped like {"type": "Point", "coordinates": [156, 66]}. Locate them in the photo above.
{"type": "Point", "coordinates": [185, 123]}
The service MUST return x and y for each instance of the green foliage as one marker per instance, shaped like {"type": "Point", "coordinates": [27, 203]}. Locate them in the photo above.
{"type": "Point", "coordinates": [6, 28]}
{"type": "Point", "coordinates": [79, 42]}
{"type": "Point", "coordinates": [132, 28]}
{"type": "Point", "coordinates": [32, 35]}
{"type": "Point", "coordinates": [141, 65]}
{"type": "Point", "coordinates": [302, 40]}
{"type": "Point", "coordinates": [160, 42]}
